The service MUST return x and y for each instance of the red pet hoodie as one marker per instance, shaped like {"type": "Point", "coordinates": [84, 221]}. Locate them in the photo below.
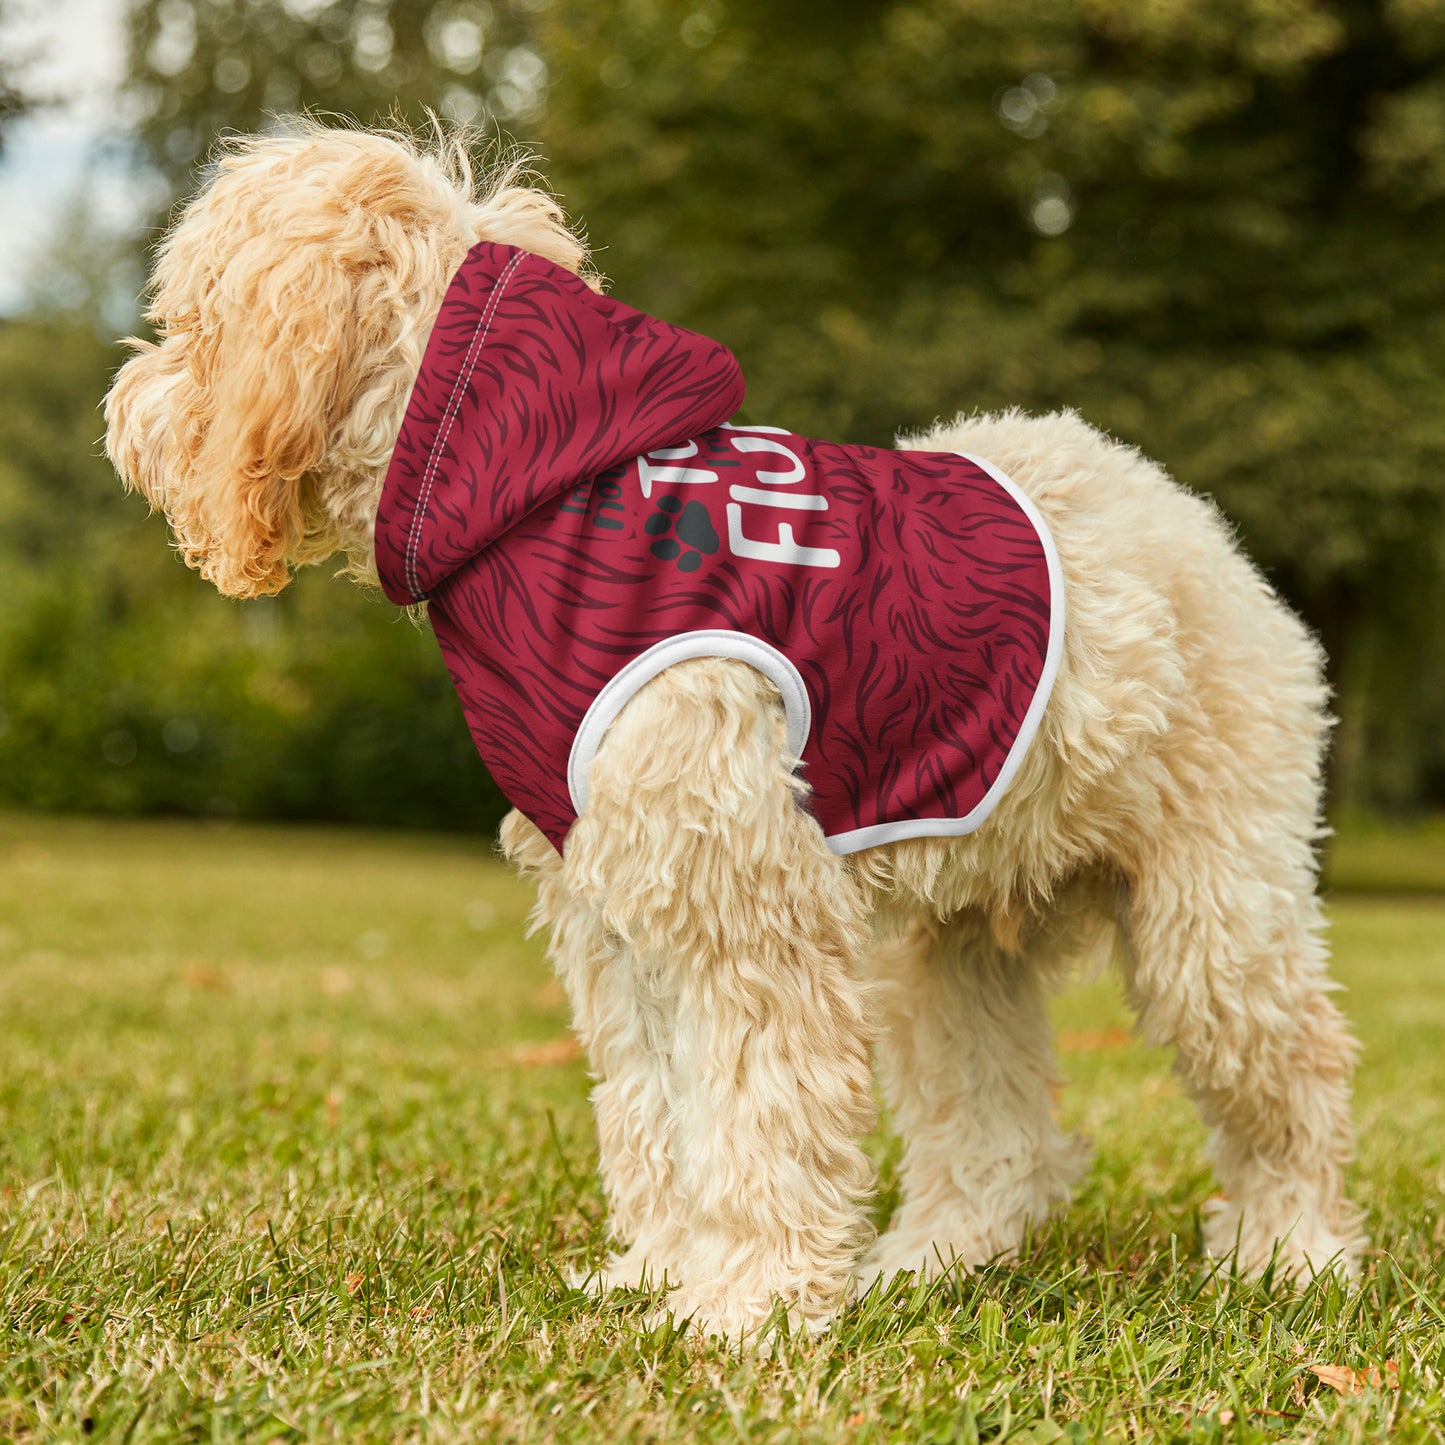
{"type": "Point", "coordinates": [567, 495]}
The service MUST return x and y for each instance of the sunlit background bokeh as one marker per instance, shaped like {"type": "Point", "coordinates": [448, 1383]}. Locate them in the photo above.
{"type": "Point", "coordinates": [1216, 229]}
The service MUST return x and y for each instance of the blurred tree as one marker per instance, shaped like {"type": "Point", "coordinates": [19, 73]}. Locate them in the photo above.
{"type": "Point", "coordinates": [202, 67]}
{"type": "Point", "coordinates": [128, 685]}
{"type": "Point", "coordinates": [1213, 226]}
{"type": "Point", "coordinates": [14, 99]}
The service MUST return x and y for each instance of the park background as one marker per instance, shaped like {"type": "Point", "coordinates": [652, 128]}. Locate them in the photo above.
{"type": "Point", "coordinates": [294, 1140]}
{"type": "Point", "coordinates": [1215, 229]}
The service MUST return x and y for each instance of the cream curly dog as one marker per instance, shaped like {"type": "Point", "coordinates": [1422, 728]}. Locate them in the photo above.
{"type": "Point", "coordinates": [730, 974]}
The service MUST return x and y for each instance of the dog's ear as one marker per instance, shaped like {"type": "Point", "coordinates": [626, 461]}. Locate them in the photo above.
{"type": "Point", "coordinates": [274, 356]}
{"type": "Point", "coordinates": [148, 410]}
{"type": "Point", "coordinates": [284, 298]}
{"type": "Point", "coordinates": [221, 423]}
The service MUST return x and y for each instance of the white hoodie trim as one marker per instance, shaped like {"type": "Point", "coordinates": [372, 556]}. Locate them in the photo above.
{"type": "Point", "coordinates": [707, 642]}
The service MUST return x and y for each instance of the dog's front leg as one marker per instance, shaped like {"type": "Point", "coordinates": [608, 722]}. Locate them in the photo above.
{"type": "Point", "coordinates": [624, 1024]}
{"type": "Point", "coordinates": [742, 933]}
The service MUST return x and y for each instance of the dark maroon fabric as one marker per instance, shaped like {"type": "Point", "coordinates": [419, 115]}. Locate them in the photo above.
{"type": "Point", "coordinates": [565, 494]}
{"type": "Point", "coordinates": [531, 383]}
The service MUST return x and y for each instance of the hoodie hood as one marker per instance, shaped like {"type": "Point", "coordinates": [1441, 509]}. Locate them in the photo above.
{"type": "Point", "coordinates": [531, 386]}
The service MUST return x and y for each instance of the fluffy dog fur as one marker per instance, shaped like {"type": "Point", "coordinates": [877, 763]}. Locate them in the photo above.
{"type": "Point", "coordinates": [730, 976]}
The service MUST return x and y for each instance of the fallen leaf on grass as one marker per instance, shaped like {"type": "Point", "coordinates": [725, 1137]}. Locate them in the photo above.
{"type": "Point", "coordinates": [335, 982]}
{"type": "Point", "coordinates": [196, 974]}
{"type": "Point", "coordinates": [354, 1283]}
{"type": "Point", "coordinates": [1083, 1041]}
{"type": "Point", "coordinates": [220, 1339]}
{"type": "Point", "coordinates": [1355, 1382]}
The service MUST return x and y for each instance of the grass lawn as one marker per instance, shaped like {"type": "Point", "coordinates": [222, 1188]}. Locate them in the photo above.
{"type": "Point", "coordinates": [293, 1146]}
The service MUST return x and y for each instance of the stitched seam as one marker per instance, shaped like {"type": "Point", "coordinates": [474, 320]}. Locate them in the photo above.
{"type": "Point", "coordinates": [449, 415]}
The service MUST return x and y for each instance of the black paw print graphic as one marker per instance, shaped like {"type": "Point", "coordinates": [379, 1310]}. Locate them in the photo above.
{"type": "Point", "coordinates": [692, 535]}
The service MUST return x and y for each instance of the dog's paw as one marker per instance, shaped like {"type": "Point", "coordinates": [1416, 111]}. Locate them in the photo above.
{"type": "Point", "coordinates": [958, 1242]}
{"type": "Point", "coordinates": [902, 1253]}
{"type": "Point", "coordinates": [752, 1324]}
{"type": "Point", "coordinates": [633, 1270]}
{"type": "Point", "coordinates": [982, 1224]}
{"type": "Point", "coordinates": [1299, 1246]}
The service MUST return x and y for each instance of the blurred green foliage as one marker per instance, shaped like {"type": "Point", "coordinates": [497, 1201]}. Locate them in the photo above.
{"type": "Point", "coordinates": [128, 686]}
{"type": "Point", "coordinates": [14, 98]}
{"type": "Point", "coordinates": [1214, 227]}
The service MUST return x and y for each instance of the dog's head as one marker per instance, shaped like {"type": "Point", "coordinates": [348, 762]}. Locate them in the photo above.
{"type": "Point", "coordinates": [292, 302]}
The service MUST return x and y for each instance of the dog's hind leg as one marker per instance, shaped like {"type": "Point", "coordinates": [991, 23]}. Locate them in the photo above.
{"type": "Point", "coordinates": [1227, 964]}
{"type": "Point", "coordinates": [746, 930]}
{"type": "Point", "coordinates": [966, 1062]}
